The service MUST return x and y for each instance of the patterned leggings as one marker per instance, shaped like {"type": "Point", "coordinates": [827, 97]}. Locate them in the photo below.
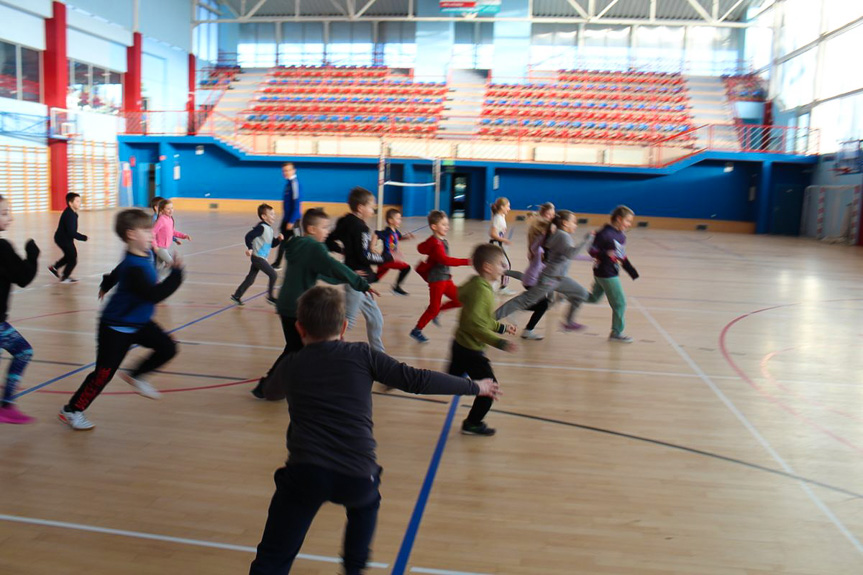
{"type": "Point", "coordinates": [21, 352]}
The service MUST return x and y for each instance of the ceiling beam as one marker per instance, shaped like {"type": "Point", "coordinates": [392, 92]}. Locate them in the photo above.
{"type": "Point", "coordinates": [229, 7]}
{"type": "Point", "coordinates": [730, 10]}
{"type": "Point", "coordinates": [578, 8]}
{"type": "Point", "coordinates": [255, 9]}
{"type": "Point", "coordinates": [607, 8]}
{"type": "Point", "coordinates": [364, 8]}
{"type": "Point", "coordinates": [653, 10]}
{"type": "Point", "coordinates": [591, 8]}
{"type": "Point", "coordinates": [538, 20]}
{"type": "Point", "coordinates": [339, 7]}
{"type": "Point", "coordinates": [696, 5]}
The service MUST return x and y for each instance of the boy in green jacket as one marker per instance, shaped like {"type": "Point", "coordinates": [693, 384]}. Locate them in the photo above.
{"type": "Point", "coordinates": [478, 328]}
{"type": "Point", "coordinates": [309, 260]}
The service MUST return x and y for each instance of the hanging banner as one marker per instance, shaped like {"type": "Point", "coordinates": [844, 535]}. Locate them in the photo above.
{"type": "Point", "coordinates": [470, 7]}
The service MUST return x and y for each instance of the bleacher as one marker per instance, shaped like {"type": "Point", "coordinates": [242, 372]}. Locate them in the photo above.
{"type": "Point", "coordinates": [619, 107]}
{"type": "Point", "coordinates": [344, 100]}
{"type": "Point", "coordinates": [220, 75]}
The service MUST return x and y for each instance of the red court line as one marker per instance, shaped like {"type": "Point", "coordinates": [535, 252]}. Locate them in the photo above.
{"type": "Point", "coordinates": [766, 394]}
{"type": "Point", "coordinates": [175, 390]}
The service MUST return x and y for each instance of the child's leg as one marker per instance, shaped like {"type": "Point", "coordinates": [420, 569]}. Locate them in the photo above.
{"type": "Point", "coordinates": [250, 279]}
{"type": "Point", "coordinates": [362, 499]}
{"type": "Point", "coordinates": [352, 304]}
{"type": "Point", "coordinates": [538, 310]}
{"type": "Point", "coordinates": [70, 255]}
{"type": "Point", "coordinates": [504, 281]}
{"type": "Point", "coordinates": [272, 276]}
{"type": "Point", "coordinates": [62, 261]}
{"type": "Point", "coordinates": [374, 321]}
{"type": "Point", "coordinates": [280, 253]}
{"type": "Point", "coordinates": [164, 348]}
{"type": "Point", "coordinates": [450, 291]}
{"type": "Point", "coordinates": [300, 492]}
{"type": "Point", "coordinates": [112, 348]}
{"type": "Point", "coordinates": [596, 291]}
{"type": "Point", "coordinates": [436, 291]}
{"type": "Point", "coordinates": [617, 300]}
{"type": "Point", "coordinates": [293, 342]}
{"type": "Point", "coordinates": [163, 256]}
{"type": "Point", "coordinates": [575, 293]}
{"type": "Point", "coordinates": [528, 299]}
{"type": "Point", "coordinates": [21, 353]}
{"type": "Point", "coordinates": [475, 365]}
{"type": "Point", "coordinates": [404, 269]}
{"type": "Point", "coordinates": [383, 269]}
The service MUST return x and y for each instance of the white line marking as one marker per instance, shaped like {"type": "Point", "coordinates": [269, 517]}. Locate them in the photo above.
{"type": "Point", "coordinates": [166, 538]}
{"type": "Point", "coordinates": [750, 427]}
{"type": "Point", "coordinates": [441, 571]}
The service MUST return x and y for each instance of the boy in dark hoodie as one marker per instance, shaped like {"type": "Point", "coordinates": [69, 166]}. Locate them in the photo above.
{"type": "Point", "coordinates": [435, 270]}
{"type": "Point", "coordinates": [65, 236]}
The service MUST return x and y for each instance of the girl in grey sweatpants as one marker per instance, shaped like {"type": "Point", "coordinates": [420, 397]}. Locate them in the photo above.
{"type": "Point", "coordinates": [560, 249]}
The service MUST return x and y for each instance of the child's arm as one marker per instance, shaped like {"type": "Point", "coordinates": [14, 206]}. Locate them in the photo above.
{"type": "Point", "coordinates": [326, 266]}
{"type": "Point", "coordinates": [145, 289]}
{"type": "Point", "coordinates": [420, 381]}
{"type": "Point", "coordinates": [182, 236]}
{"type": "Point", "coordinates": [439, 256]}
{"type": "Point", "coordinates": [275, 386]}
{"type": "Point", "coordinates": [497, 235]}
{"type": "Point", "coordinates": [630, 269]}
{"type": "Point", "coordinates": [576, 249]}
{"type": "Point", "coordinates": [255, 232]}
{"type": "Point", "coordinates": [71, 228]}
{"type": "Point", "coordinates": [108, 282]}
{"type": "Point", "coordinates": [20, 272]}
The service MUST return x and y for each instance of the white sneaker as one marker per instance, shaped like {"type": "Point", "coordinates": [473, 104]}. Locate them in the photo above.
{"type": "Point", "coordinates": [531, 334]}
{"type": "Point", "coordinates": [141, 387]}
{"type": "Point", "coordinates": [75, 419]}
{"type": "Point", "coordinates": [620, 338]}
{"type": "Point", "coordinates": [69, 281]}
{"type": "Point", "coordinates": [505, 291]}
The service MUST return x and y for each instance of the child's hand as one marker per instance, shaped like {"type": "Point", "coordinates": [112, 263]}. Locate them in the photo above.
{"type": "Point", "coordinates": [510, 347]}
{"type": "Point", "coordinates": [488, 388]}
{"type": "Point", "coordinates": [32, 249]}
{"type": "Point", "coordinates": [372, 292]}
{"type": "Point", "coordinates": [188, 238]}
{"type": "Point", "coordinates": [178, 242]}
{"type": "Point", "coordinates": [248, 253]}
{"type": "Point", "coordinates": [510, 329]}
{"type": "Point", "coordinates": [178, 263]}
{"type": "Point", "coordinates": [281, 237]}
{"type": "Point", "coordinates": [101, 295]}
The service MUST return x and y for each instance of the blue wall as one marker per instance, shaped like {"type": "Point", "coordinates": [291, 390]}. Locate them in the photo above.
{"type": "Point", "coordinates": [712, 188]}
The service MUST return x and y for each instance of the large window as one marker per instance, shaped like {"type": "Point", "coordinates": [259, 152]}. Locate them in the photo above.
{"type": "Point", "coordinates": [796, 80]}
{"type": "Point", "coordinates": [473, 46]}
{"type": "Point", "coordinates": [553, 46]}
{"type": "Point", "coordinates": [94, 89]}
{"type": "Point", "coordinates": [350, 44]}
{"type": "Point", "coordinates": [20, 72]}
{"type": "Point", "coordinates": [399, 44]}
{"type": "Point", "coordinates": [206, 36]}
{"type": "Point", "coordinates": [302, 44]}
{"type": "Point", "coordinates": [257, 45]}
{"type": "Point", "coordinates": [840, 73]}
{"type": "Point", "coordinates": [605, 48]}
{"type": "Point", "coordinates": [658, 48]}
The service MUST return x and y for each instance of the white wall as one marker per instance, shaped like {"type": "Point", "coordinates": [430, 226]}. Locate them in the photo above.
{"type": "Point", "coordinates": [21, 27]}
{"type": "Point", "coordinates": [164, 76]}
{"type": "Point", "coordinates": [84, 47]}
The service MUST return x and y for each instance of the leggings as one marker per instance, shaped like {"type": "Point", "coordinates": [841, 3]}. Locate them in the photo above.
{"type": "Point", "coordinates": [436, 292]}
{"type": "Point", "coordinates": [21, 352]}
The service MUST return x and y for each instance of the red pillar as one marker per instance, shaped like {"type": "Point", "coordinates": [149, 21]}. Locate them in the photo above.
{"type": "Point", "coordinates": [56, 78]}
{"type": "Point", "coordinates": [132, 83]}
{"type": "Point", "coordinates": [190, 102]}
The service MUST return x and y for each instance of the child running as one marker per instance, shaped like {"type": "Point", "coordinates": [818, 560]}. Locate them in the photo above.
{"type": "Point", "coordinates": [259, 241]}
{"type": "Point", "coordinates": [499, 209]}
{"type": "Point", "coordinates": [560, 249]}
{"type": "Point", "coordinates": [435, 270]}
{"type": "Point", "coordinates": [20, 272]}
{"type": "Point", "coordinates": [127, 319]}
{"type": "Point", "coordinates": [64, 237]}
{"type": "Point", "coordinates": [331, 447]}
{"type": "Point", "coordinates": [477, 328]}
{"type": "Point", "coordinates": [536, 236]}
{"type": "Point", "coordinates": [353, 238]}
{"type": "Point", "coordinates": [609, 253]}
{"type": "Point", "coordinates": [154, 205]}
{"type": "Point", "coordinates": [390, 236]}
{"type": "Point", "coordinates": [163, 235]}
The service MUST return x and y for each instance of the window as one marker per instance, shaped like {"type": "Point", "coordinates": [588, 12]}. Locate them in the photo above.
{"type": "Point", "coordinates": [837, 13]}
{"type": "Point", "coordinates": [840, 73]}
{"type": "Point", "coordinates": [658, 48]}
{"type": "Point", "coordinates": [605, 48]}
{"type": "Point", "coordinates": [302, 44]}
{"type": "Point", "coordinates": [553, 46]}
{"type": "Point", "coordinates": [796, 80]}
{"type": "Point", "coordinates": [838, 120]}
{"type": "Point", "coordinates": [473, 46]}
{"type": "Point", "coordinates": [800, 24]}
{"type": "Point", "coordinates": [759, 40]}
{"type": "Point", "coordinates": [93, 88]}
{"type": "Point", "coordinates": [19, 72]}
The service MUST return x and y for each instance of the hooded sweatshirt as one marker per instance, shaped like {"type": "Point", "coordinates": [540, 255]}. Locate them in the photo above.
{"type": "Point", "coordinates": [436, 267]}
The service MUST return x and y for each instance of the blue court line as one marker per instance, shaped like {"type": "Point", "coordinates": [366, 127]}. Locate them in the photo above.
{"type": "Point", "coordinates": [89, 365]}
{"type": "Point", "coordinates": [414, 524]}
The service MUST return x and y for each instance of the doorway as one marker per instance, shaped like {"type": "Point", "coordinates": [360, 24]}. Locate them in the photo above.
{"type": "Point", "coordinates": [459, 195]}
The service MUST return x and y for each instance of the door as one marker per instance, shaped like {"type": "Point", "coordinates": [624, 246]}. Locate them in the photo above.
{"type": "Point", "coordinates": [460, 194]}
{"type": "Point", "coordinates": [787, 210]}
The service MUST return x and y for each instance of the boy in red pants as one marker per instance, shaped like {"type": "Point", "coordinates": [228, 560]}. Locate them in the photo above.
{"type": "Point", "coordinates": [435, 270]}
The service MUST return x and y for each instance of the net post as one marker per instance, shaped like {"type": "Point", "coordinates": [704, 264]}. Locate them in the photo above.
{"type": "Point", "coordinates": [381, 169]}
{"type": "Point", "coordinates": [436, 176]}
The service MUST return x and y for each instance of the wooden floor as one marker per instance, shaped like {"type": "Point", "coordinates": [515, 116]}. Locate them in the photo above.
{"type": "Point", "coordinates": [728, 439]}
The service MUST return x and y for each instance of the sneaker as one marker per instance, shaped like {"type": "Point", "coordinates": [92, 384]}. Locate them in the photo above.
{"type": "Point", "coordinates": [505, 291]}
{"type": "Point", "coordinates": [271, 300]}
{"type": "Point", "coordinates": [237, 300]}
{"type": "Point", "coordinates": [141, 387]}
{"type": "Point", "coordinates": [418, 336]}
{"type": "Point", "coordinates": [258, 390]}
{"type": "Point", "coordinates": [573, 326]}
{"type": "Point", "coordinates": [620, 338]}
{"type": "Point", "coordinates": [531, 334]}
{"type": "Point", "coordinates": [399, 291]}
{"type": "Point", "coordinates": [436, 320]}
{"type": "Point", "coordinates": [476, 429]}
{"type": "Point", "coordinates": [75, 419]}
{"type": "Point", "coordinates": [69, 281]}
{"type": "Point", "coordinates": [10, 414]}
{"type": "Point", "coordinates": [277, 268]}
{"type": "Point", "coordinates": [54, 272]}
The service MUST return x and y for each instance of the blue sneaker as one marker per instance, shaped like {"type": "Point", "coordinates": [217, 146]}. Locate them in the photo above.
{"type": "Point", "coordinates": [418, 336]}
{"type": "Point", "coordinates": [436, 320]}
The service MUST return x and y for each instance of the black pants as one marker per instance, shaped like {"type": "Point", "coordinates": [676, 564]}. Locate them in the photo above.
{"type": "Point", "coordinates": [258, 264]}
{"type": "Point", "coordinates": [300, 492]}
{"type": "Point", "coordinates": [284, 243]}
{"type": "Point", "coordinates": [112, 348]}
{"type": "Point", "coordinates": [293, 342]}
{"type": "Point", "coordinates": [69, 259]}
{"type": "Point", "coordinates": [477, 366]}
{"type": "Point", "coordinates": [538, 310]}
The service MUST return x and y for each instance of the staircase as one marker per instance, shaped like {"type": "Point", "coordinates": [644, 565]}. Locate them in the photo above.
{"type": "Point", "coordinates": [238, 97]}
{"type": "Point", "coordinates": [710, 106]}
{"type": "Point", "coordinates": [463, 105]}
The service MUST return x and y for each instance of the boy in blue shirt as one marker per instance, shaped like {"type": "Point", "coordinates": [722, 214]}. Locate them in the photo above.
{"type": "Point", "coordinates": [127, 319]}
{"type": "Point", "coordinates": [390, 237]}
{"type": "Point", "coordinates": [259, 241]}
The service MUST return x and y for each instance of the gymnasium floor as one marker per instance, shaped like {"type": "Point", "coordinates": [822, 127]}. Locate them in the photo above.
{"type": "Point", "coordinates": [726, 440]}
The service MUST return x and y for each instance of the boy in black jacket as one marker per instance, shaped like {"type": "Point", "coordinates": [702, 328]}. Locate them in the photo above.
{"type": "Point", "coordinates": [127, 319]}
{"type": "Point", "coordinates": [65, 236]}
{"type": "Point", "coordinates": [353, 238]}
{"type": "Point", "coordinates": [331, 448]}
{"type": "Point", "coordinates": [13, 270]}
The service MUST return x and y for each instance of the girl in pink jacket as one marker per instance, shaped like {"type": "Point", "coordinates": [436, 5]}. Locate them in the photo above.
{"type": "Point", "coordinates": [164, 234]}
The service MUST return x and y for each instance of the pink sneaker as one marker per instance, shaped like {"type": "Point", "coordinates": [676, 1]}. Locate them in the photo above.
{"type": "Point", "coordinates": [573, 326]}
{"type": "Point", "coordinates": [10, 414]}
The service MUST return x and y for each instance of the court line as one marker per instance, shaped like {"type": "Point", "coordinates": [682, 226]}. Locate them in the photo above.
{"type": "Point", "coordinates": [89, 365]}
{"type": "Point", "coordinates": [750, 427]}
{"type": "Point", "coordinates": [165, 538]}
{"type": "Point", "coordinates": [159, 371]}
{"type": "Point", "coordinates": [417, 515]}
{"type": "Point", "coordinates": [641, 438]}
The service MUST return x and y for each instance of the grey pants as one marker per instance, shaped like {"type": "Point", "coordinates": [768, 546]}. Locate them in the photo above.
{"type": "Point", "coordinates": [164, 262]}
{"type": "Point", "coordinates": [359, 301]}
{"type": "Point", "coordinates": [570, 289]}
{"type": "Point", "coordinates": [258, 264]}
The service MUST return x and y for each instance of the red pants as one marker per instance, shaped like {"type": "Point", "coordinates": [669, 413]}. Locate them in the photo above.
{"type": "Point", "coordinates": [392, 265]}
{"type": "Point", "coordinates": [436, 292]}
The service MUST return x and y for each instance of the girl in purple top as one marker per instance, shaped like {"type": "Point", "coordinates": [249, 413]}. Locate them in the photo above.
{"type": "Point", "coordinates": [536, 235]}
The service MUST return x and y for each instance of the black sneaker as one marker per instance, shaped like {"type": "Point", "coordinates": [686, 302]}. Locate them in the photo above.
{"type": "Point", "coordinates": [237, 300]}
{"type": "Point", "coordinates": [271, 300]}
{"type": "Point", "coordinates": [399, 291]}
{"type": "Point", "coordinates": [258, 391]}
{"type": "Point", "coordinates": [54, 272]}
{"type": "Point", "coordinates": [476, 428]}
